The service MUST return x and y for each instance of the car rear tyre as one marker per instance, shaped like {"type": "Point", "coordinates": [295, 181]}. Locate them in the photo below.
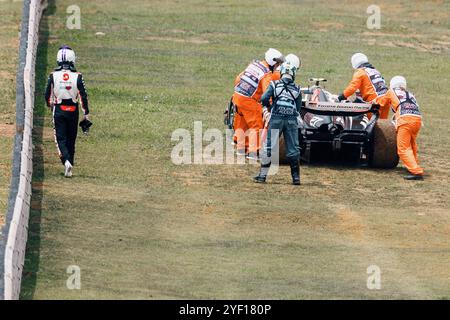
{"type": "Point", "coordinates": [384, 146]}
{"type": "Point", "coordinates": [282, 150]}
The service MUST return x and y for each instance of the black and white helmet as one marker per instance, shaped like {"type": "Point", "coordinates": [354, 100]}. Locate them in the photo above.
{"type": "Point", "coordinates": [66, 55]}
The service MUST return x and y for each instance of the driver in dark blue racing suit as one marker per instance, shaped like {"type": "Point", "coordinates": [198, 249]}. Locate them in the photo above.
{"type": "Point", "coordinates": [284, 111]}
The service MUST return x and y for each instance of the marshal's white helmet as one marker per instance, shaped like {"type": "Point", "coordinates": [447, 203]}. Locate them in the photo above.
{"type": "Point", "coordinates": [293, 60]}
{"type": "Point", "coordinates": [398, 82]}
{"type": "Point", "coordinates": [65, 54]}
{"type": "Point", "coordinates": [358, 59]}
{"type": "Point", "coordinates": [273, 56]}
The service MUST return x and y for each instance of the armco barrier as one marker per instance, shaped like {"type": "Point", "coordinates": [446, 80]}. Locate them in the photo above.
{"type": "Point", "coordinates": [13, 237]}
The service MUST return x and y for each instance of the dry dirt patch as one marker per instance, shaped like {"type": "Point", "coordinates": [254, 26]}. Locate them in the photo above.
{"type": "Point", "coordinates": [435, 47]}
{"type": "Point", "coordinates": [177, 40]}
{"type": "Point", "coordinates": [177, 31]}
{"type": "Point", "coordinates": [7, 130]}
{"type": "Point", "coordinates": [6, 75]}
{"type": "Point", "coordinates": [348, 222]}
{"type": "Point", "coordinates": [327, 26]}
{"type": "Point", "coordinates": [412, 40]}
{"type": "Point", "coordinates": [394, 34]}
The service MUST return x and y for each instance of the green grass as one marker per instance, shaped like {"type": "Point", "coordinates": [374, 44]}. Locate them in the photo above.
{"type": "Point", "coordinates": [10, 16]}
{"type": "Point", "coordinates": [140, 227]}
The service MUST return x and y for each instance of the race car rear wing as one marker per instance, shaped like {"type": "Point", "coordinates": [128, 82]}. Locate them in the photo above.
{"type": "Point", "coordinates": [340, 108]}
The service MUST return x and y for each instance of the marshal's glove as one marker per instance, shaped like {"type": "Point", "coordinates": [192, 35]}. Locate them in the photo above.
{"type": "Point", "coordinates": [85, 125]}
{"type": "Point", "coordinates": [376, 107]}
{"type": "Point", "coordinates": [341, 97]}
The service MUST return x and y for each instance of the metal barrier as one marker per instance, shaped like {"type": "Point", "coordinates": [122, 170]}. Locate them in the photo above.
{"type": "Point", "coordinates": [13, 237]}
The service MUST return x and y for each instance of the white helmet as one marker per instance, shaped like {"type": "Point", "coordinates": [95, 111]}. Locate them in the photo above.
{"type": "Point", "coordinates": [398, 82]}
{"type": "Point", "coordinates": [65, 54]}
{"type": "Point", "coordinates": [294, 60]}
{"type": "Point", "coordinates": [273, 56]}
{"type": "Point", "coordinates": [288, 68]}
{"type": "Point", "coordinates": [358, 59]}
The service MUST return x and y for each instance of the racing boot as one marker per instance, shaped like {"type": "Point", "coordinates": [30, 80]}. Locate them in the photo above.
{"type": "Point", "coordinates": [261, 177]}
{"type": "Point", "coordinates": [413, 177]}
{"type": "Point", "coordinates": [68, 169]}
{"type": "Point", "coordinates": [295, 172]}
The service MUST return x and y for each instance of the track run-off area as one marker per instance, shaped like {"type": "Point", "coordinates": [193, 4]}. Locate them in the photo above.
{"type": "Point", "coordinates": [139, 226]}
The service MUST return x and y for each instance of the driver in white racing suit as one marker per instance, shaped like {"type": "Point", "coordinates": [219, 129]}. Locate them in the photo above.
{"type": "Point", "coordinates": [65, 89]}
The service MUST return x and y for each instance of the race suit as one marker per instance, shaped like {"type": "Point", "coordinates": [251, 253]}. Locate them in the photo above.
{"type": "Point", "coordinates": [286, 103]}
{"type": "Point", "coordinates": [65, 87]}
{"type": "Point", "coordinates": [248, 120]}
{"type": "Point", "coordinates": [408, 120]}
{"type": "Point", "coordinates": [371, 86]}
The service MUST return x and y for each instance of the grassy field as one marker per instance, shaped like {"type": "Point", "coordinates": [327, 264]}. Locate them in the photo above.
{"type": "Point", "coordinates": [141, 227]}
{"type": "Point", "coordinates": [10, 16]}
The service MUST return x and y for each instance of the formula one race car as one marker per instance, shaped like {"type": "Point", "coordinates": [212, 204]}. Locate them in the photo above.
{"type": "Point", "coordinates": [340, 130]}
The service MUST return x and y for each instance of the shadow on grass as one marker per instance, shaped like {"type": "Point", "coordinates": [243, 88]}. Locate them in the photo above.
{"type": "Point", "coordinates": [31, 267]}
{"type": "Point", "coordinates": [349, 166]}
{"type": "Point", "coordinates": [344, 161]}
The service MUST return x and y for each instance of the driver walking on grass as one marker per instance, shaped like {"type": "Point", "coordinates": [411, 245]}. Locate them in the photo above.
{"type": "Point", "coordinates": [65, 87]}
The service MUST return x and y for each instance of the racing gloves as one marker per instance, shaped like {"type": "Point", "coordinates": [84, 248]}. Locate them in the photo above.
{"type": "Point", "coordinates": [341, 97]}
{"type": "Point", "coordinates": [85, 125]}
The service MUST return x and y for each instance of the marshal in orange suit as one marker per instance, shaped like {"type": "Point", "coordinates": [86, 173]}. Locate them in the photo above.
{"type": "Point", "coordinates": [368, 81]}
{"type": "Point", "coordinates": [249, 87]}
{"type": "Point", "coordinates": [408, 121]}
